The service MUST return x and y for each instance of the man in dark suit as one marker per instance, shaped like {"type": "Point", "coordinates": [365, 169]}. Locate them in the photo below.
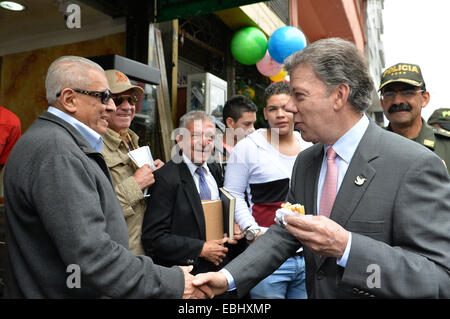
{"type": "Point", "coordinates": [173, 231]}
{"type": "Point", "coordinates": [378, 203]}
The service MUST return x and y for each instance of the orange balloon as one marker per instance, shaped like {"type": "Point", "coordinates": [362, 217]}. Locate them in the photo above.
{"type": "Point", "coordinates": [279, 77]}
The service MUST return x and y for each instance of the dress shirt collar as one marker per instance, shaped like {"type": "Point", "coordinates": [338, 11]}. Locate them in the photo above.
{"type": "Point", "coordinates": [192, 167]}
{"type": "Point", "coordinates": [94, 139]}
{"type": "Point", "coordinates": [346, 146]}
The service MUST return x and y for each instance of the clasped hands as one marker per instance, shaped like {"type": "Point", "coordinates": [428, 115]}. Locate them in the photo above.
{"type": "Point", "coordinates": [213, 251]}
{"type": "Point", "coordinates": [320, 234]}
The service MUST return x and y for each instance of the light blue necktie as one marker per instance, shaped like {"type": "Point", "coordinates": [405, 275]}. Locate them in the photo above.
{"type": "Point", "coordinates": [205, 192]}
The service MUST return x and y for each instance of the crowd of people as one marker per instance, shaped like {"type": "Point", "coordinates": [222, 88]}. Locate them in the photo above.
{"type": "Point", "coordinates": [83, 221]}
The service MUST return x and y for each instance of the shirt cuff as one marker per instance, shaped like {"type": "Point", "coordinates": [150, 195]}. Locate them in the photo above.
{"type": "Point", "coordinates": [343, 260]}
{"type": "Point", "coordinates": [230, 279]}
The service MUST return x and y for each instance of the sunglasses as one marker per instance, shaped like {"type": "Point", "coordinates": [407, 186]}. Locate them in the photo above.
{"type": "Point", "coordinates": [104, 95]}
{"type": "Point", "coordinates": [132, 100]}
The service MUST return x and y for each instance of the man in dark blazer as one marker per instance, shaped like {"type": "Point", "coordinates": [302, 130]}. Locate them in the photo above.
{"type": "Point", "coordinates": [173, 230]}
{"type": "Point", "coordinates": [387, 231]}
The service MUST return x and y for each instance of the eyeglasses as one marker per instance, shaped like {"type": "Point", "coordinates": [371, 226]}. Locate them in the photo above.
{"type": "Point", "coordinates": [104, 95]}
{"type": "Point", "coordinates": [130, 98]}
{"type": "Point", "coordinates": [389, 95]}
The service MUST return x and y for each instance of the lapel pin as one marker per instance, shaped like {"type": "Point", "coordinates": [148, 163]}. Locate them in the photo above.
{"type": "Point", "coordinates": [360, 180]}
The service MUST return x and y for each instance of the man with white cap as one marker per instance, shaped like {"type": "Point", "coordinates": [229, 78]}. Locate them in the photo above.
{"type": "Point", "coordinates": [129, 181]}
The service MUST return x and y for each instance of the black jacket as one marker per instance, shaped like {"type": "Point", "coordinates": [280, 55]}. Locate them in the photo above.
{"type": "Point", "coordinates": [173, 230]}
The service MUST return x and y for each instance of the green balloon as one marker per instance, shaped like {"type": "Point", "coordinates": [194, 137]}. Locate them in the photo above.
{"type": "Point", "coordinates": [248, 45]}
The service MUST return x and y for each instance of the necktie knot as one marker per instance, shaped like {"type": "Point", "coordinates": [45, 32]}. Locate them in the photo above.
{"type": "Point", "coordinates": [331, 154]}
{"type": "Point", "coordinates": [200, 171]}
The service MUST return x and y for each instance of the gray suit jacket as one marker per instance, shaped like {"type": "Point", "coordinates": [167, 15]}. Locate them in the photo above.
{"type": "Point", "coordinates": [61, 210]}
{"type": "Point", "coordinates": [399, 219]}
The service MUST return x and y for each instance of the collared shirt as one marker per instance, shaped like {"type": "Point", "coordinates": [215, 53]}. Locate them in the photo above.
{"type": "Point", "coordinates": [208, 176]}
{"type": "Point", "coordinates": [94, 139]}
{"type": "Point", "coordinates": [345, 148]}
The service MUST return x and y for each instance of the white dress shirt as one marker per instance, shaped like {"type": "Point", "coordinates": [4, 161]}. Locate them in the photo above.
{"type": "Point", "coordinates": [345, 148]}
{"type": "Point", "coordinates": [210, 180]}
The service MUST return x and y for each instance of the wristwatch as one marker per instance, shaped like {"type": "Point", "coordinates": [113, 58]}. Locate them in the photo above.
{"type": "Point", "coordinates": [250, 234]}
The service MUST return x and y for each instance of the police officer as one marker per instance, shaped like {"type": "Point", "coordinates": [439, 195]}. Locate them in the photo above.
{"type": "Point", "coordinates": [440, 119]}
{"type": "Point", "coordinates": [403, 95]}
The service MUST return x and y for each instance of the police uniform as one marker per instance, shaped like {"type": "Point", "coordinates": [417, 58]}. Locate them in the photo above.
{"type": "Point", "coordinates": [435, 139]}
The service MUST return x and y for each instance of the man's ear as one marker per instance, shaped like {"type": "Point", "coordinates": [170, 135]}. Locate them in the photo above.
{"type": "Point", "coordinates": [342, 92]}
{"type": "Point", "coordinates": [229, 122]}
{"type": "Point", "coordinates": [68, 100]}
{"type": "Point", "coordinates": [426, 98]}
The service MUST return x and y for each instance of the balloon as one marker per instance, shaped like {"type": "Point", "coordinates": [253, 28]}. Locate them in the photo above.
{"type": "Point", "coordinates": [279, 77]}
{"type": "Point", "coordinates": [284, 42]}
{"type": "Point", "coordinates": [248, 45]}
{"type": "Point", "coordinates": [268, 66]}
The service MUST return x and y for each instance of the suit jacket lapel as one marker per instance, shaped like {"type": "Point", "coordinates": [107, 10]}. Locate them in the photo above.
{"type": "Point", "coordinates": [193, 197]}
{"type": "Point", "coordinates": [352, 188]}
{"type": "Point", "coordinates": [312, 178]}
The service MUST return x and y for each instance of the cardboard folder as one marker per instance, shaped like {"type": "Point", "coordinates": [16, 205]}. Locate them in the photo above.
{"type": "Point", "coordinates": [212, 209]}
{"type": "Point", "coordinates": [219, 216]}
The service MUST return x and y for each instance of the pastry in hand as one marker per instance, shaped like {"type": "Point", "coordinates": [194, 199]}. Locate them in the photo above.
{"type": "Point", "coordinates": [288, 209]}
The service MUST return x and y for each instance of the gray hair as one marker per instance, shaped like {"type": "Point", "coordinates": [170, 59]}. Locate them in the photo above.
{"type": "Point", "coordinates": [337, 61]}
{"type": "Point", "coordinates": [193, 116]}
{"type": "Point", "coordinates": [68, 72]}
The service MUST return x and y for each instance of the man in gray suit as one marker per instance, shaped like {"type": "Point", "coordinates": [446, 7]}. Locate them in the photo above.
{"type": "Point", "coordinates": [65, 232]}
{"type": "Point", "coordinates": [378, 203]}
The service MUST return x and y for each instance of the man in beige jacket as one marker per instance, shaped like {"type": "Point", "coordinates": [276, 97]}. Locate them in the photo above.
{"type": "Point", "coordinates": [129, 181]}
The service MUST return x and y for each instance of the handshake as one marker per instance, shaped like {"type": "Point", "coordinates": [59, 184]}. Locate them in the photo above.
{"type": "Point", "coordinates": [320, 234]}
{"type": "Point", "coordinates": [202, 286]}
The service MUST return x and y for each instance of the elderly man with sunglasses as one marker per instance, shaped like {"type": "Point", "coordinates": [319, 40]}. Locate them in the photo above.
{"type": "Point", "coordinates": [65, 231]}
{"type": "Point", "coordinates": [129, 181]}
{"type": "Point", "coordinates": [403, 96]}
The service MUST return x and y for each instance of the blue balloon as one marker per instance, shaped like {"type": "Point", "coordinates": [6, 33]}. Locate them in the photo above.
{"type": "Point", "coordinates": [284, 42]}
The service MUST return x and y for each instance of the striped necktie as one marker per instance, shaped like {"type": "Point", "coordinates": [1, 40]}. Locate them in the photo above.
{"type": "Point", "coordinates": [330, 185]}
{"type": "Point", "coordinates": [205, 192]}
